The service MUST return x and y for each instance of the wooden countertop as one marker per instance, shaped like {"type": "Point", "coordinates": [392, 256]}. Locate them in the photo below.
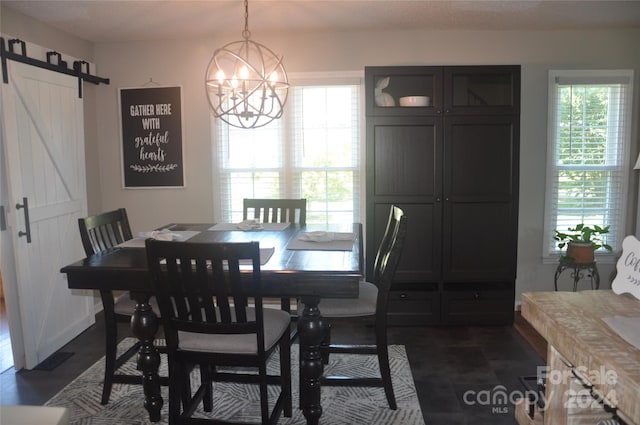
{"type": "Point", "coordinates": [572, 323]}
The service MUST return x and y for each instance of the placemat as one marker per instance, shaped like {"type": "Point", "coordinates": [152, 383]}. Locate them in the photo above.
{"type": "Point", "coordinates": [138, 242]}
{"type": "Point", "coordinates": [241, 227]}
{"type": "Point", "coordinates": [323, 241]}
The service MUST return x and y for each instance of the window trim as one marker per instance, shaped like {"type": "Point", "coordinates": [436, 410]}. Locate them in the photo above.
{"type": "Point", "coordinates": [623, 76]}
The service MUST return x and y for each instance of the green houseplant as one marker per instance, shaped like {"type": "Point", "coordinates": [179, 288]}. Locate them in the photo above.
{"type": "Point", "coordinates": [581, 242]}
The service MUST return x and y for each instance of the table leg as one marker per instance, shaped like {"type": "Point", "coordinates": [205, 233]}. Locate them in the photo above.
{"type": "Point", "coordinates": [311, 331]}
{"type": "Point", "coordinates": [144, 325]}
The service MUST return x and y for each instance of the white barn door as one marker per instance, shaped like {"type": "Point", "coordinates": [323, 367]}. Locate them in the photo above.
{"type": "Point", "coordinates": [44, 152]}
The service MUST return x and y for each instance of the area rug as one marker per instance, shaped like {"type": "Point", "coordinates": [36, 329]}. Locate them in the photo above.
{"type": "Point", "coordinates": [240, 403]}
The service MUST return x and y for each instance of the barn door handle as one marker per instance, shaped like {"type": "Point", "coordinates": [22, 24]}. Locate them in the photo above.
{"type": "Point", "coordinates": [3, 220]}
{"type": "Point", "coordinates": [27, 225]}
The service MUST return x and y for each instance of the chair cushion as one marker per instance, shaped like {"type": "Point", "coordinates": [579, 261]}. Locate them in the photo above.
{"type": "Point", "coordinates": [125, 305]}
{"type": "Point", "coordinates": [276, 322]}
{"type": "Point", "coordinates": [364, 305]}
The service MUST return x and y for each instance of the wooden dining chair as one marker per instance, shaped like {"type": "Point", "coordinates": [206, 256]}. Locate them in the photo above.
{"type": "Point", "coordinates": [275, 210]}
{"type": "Point", "coordinates": [213, 316]}
{"type": "Point", "coordinates": [372, 302]}
{"type": "Point", "coordinates": [99, 233]}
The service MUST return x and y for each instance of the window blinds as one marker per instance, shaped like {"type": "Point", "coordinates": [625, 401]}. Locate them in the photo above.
{"type": "Point", "coordinates": [588, 145]}
{"type": "Point", "coordinates": [313, 152]}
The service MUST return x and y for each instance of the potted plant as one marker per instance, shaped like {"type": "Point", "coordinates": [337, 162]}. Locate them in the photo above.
{"type": "Point", "coordinates": [581, 242]}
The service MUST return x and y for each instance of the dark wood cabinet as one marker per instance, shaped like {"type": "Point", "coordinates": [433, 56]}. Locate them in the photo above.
{"type": "Point", "coordinates": [452, 165]}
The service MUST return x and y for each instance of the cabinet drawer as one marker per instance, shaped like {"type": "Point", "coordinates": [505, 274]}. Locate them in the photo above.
{"type": "Point", "coordinates": [411, 308]}
{"type": "Point", "coordinates": [477, 307]}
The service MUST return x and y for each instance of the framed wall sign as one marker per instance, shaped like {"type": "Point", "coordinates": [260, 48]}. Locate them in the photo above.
{"type": "Point", "coordinates": [151, 121]}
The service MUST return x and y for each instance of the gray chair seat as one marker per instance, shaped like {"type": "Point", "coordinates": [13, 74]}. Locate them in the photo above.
{"type": "Point", "coordinates": [364, 305]}
{"type": "Point", "coordinates": [275, 323]}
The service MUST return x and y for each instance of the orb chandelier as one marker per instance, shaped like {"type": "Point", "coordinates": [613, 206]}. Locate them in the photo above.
{"type": "Point", "coordinates": [246, 83]}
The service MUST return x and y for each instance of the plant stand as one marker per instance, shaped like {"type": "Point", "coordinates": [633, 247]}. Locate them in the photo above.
{"type": "Point", "coordinates": [578, 272]}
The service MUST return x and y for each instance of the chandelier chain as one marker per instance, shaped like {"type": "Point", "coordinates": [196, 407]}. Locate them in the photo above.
{"type": "Point", "coordinates": [246, 34]}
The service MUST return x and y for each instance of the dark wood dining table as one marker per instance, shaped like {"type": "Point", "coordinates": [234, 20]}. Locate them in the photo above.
{"type": "Point", "coordinates": [306, 274]}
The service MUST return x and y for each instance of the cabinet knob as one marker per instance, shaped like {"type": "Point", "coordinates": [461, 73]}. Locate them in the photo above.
{"type": "Point", "coordinates": [447, 111]}
{"type": "Point", "coordinates": [438, 199]}
{"type": "Point", "coordinates": [403, 295]}
{"type": "Point", "coordinates": [476, 295]}
{"type": "Point", "coordinates": [439, 111]}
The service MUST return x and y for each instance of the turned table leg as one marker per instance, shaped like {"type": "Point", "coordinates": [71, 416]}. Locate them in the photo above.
{"type": "Point", "coordinates": [311, 332]}
{"type": "Point", "coordinates": [144, 325]}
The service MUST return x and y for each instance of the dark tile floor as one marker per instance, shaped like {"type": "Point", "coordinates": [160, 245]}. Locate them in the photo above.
{"type": "Point", "coordinates": [458, 371]}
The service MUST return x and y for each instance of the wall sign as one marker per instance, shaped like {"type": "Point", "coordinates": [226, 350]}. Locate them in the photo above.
{"type": "Point", "coordinates": [628, 268]}
{"type": "Point", "coordinates": [151, 120]}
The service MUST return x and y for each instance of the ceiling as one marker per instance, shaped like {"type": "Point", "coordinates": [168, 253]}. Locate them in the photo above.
{"type": "Point", "coordinates": [117, 20]}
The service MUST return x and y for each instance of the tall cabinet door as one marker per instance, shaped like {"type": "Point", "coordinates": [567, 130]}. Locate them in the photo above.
{"type": "Point", "coordinates": [404, 167]}
{"type": "Point", "coordinates": [480, 198]}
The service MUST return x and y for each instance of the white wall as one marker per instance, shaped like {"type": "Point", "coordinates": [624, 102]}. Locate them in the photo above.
{"type": "Point", "coordinates": [184, 63]}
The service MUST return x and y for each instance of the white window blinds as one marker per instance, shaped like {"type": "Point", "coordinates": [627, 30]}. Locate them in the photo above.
{"type": "Point", "coordinates": [312, 152]}
{"type": "Point", "coordinates": [588, 150]}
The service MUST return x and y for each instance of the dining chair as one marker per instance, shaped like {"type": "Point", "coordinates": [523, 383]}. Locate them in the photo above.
{"type": "Point", "coordinates": [277, 211]}
{"type": "Point", "coordinates": [213, 316]}
{"type": "Point", "coordinates": [371, 302]}
{"type": "Point", "coordinates": [99, 233]}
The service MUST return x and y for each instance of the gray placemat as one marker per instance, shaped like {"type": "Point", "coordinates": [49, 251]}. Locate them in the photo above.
{"type": "Point", "coordinates": [335, 242]}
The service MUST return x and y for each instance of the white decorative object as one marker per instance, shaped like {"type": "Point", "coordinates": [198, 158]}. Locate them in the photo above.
{"type": "Point", "coordinates": [382, 98]}
{"type": "Point", "coordinates": [637, 167]}
{"type": "Point", "coordinates": [414, 101]}
{"type": "Point", "coordinates": [627, 279]}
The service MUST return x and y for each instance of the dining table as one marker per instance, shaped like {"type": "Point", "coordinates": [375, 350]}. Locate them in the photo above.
{"type": "Point", "coordinates": [306, 262]}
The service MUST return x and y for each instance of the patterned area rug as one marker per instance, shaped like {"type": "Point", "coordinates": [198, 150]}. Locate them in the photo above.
{"type": "Point", "coordinates": [240, 402]}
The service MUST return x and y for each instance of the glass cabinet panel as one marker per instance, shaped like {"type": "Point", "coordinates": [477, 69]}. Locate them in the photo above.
{"type": "Point", "coordinates": [403, 90]}
{"type": "Point", "coordinates": [482, 90]}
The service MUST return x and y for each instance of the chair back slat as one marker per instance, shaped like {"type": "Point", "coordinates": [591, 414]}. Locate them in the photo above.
{"type": "Point", "coordinates": [275, 210]}
{"type": "Point", "coordinates": [201, 287]}
{"type": "Point", "coordinates": [103, 231]}
{"type": "Point", "coordinates": [389, 253]}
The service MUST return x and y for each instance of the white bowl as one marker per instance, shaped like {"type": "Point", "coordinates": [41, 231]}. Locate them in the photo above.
{"type": "Point", "coordinates": [411, 101]}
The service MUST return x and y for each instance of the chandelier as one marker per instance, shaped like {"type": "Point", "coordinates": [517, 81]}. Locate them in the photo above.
{"type": "Point", "coordinates": [246, 83]}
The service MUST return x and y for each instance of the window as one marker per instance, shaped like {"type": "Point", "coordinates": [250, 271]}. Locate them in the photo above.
{"type": "Point", "coordinates": [588, 151]}
{"type": "Point", "coordinates": [312, 152]}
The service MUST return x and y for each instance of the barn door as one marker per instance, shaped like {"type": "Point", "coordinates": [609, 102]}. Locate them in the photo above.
{"type": "Point", "coordinates": [44, 165]}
